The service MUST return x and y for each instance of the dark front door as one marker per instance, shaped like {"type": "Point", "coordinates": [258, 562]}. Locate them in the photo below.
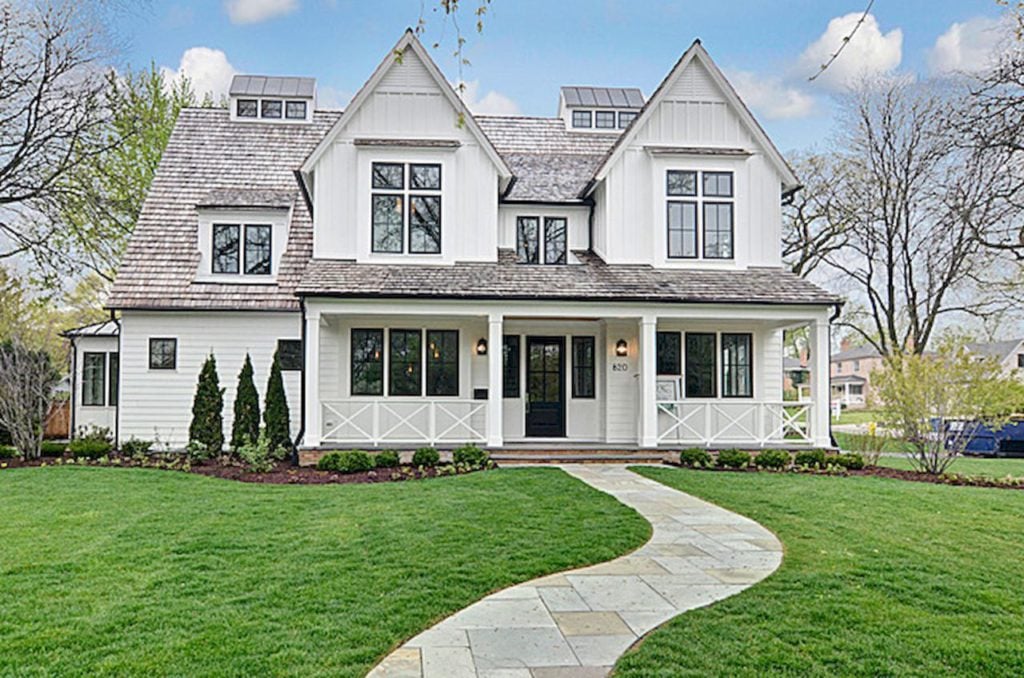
{"type": "Point", "coordinates": [545, 387]}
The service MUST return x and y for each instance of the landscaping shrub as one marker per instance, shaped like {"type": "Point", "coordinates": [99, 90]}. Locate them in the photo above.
{"type": "Point", "coordinates": [256, 454]}
{"type": "Point", "coordinates": [245, 427]}
{"type": "Point", "coordinates": [387, 459]}
{"type": "Point", "coordinates": [426, 456]}
{"type": "Point", "coordinates": [206, 433]}
{"type": "Point", "coordinates": [275, 413]}
{"type": "Point", "coordinates": [695, 457]}
{"type": "Point", "coordinates": [850, 461]}
{"type": "Point", "coordinates": [8, 452]}
{"type": "Point", "coordinates": [471, 456]}
{"type": "Point", "coordinates": [348, 461]}
{"type": "Point", "coordinates": [134, 447]}
{"type": "Point", "coordinates": [90, 448]}
{"type": "Point", "coordinates": [733, 459]}
{"type": "Point", "coordinates": [810, 458]}
{"type": "Point", "coordinates": [53, 448]}
{"type": "Point", "coordinates": [775, 459]}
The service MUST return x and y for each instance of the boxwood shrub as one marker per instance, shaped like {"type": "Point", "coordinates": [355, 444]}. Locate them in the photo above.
{"type": "Point", "coordinates": [53, 448]}
{"type": "Point", "coordinates": [850, 461]}
{"type": "Point", "coordinates": [426, 456]}
{"type": "Point", "coordinates": [347, 461]}
{"type": "Point", "coordinates": [8, 452]}
{"type": "Point", "coordinates": [810, 458]}
{"type": "Point", "coordinates": [773, 459]}
{"type": "Point", "coordinates": [471, 456]}
{"type": "Point", "coordinates": [90, 448]}
{"type": "Point", "coordinates": [733, 459]}
{"type": "Point", "coordinates": [387, 459]}
{"type": "Point", "coordinates": [695, 457]}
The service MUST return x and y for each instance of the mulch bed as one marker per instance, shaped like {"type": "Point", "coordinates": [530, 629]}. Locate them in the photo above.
{"type": "Point", "coordinates": [283, 473]}
{"type": "Point", "coordinates": [884, 472]}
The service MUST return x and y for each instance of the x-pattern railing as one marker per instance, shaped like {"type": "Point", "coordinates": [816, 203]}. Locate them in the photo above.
{"type": "Point", "coordinates": [404, 421]}
{"type": "Point", "coordinates": [753, 423]}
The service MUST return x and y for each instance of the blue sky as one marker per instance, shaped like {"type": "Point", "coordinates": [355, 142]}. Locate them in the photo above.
{"type": "Point", "coordinates": [530, 47]}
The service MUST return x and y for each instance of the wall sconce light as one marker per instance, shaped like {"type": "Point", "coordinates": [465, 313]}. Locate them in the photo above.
{"type": "Point", "coordinates": [621, 348]}
{"type": "Point", "coordinates": [481, 347]}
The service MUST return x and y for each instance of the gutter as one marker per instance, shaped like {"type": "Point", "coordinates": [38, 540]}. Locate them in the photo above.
{"type": "Point", "coordinates": [117, 407]}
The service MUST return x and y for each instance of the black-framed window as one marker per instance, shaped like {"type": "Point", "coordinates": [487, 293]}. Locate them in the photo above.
{"type": "Point", "coordinates": [528, 240]}
{"type": "Point", "coordinates": [626, 117]}
{"type": "Point", "coordinates": [406, 199]}
{"type": "Point", "coordinates": [670, 353]}
{"type": "Point", "coordinates": [582, 119]}
{"type": "Point", "coordinates": [700, 365]}
{"type": "Point", "coordinates": [556, 238]}
{"type": "Point", "coordinates": [737, 365]}
{"type": "Point", "coordinates": [405, 358]}
{"type": "Point", "coordinates": [682, 229]}
{"type": "Point", "coordinates": [257, 249]}
{"type": "Point", "coordinates": [681, 182]}
{"type": "Point", "coordinates": [718, 230]}
{"type": "Point", "coordinates": [1020, 360]}
{"type": "Point", "coordinates": [584, 368]}
{"type": "Point", "coordinates": [270, 108]}
{"type": "Point", "coordinates": [289, 355]}
{"type": "Point", "coordinates": [246, 108]}
{"type": "Point", "coordinates": [367, 362]}
{"type": "Point", "coordinates": [442, 362]}
{"type": "Point", "coordinates": [510, 357]}
{"type": "Point", "coordinates": [604, 119]}
{"type": "Point", "coordinates": [225, 248]}
{"type": "Point", "coordinates": [163, 353]}
{"type": "Point", "coordinates": [717, 184]}
{"type": "Point", "coordinates": [94, 377]}
{"type": "Point", "coordinates": [295, 110]}
{"type": "Point", "coordinates": [704, 225]}
{"type": "Point", "coordinates": [113, 377]}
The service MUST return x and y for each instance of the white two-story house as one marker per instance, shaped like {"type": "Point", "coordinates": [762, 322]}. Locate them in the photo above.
{"type": "Point", "coordinates": [609, 276]}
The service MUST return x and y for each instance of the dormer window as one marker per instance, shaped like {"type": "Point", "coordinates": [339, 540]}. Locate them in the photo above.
{"type": "Point", "coordinates": [229, 256]}
{"type": "Point", "coordinates": [406, 208]}
{"type": "Point", "coordinates": [270, 108]}
{"type": "Point", "coordinates": [272, 98]}
{"type": "Point", "coordinates": [581, 119]}
{"type": "Point", "coordinates": [604, 119]}
{"type": "Point", "coordinates": [699, 221]}
{"type": "Point", "coordinates": [295, 110]}
{"type": "Point", "coordinates": [529, 237]}
{"type": "Point", "coordinates": [626, 117]}
{"type": "Point", "coordinates": [246, 108]}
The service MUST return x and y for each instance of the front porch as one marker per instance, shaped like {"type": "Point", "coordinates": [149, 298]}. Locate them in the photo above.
{"type": "Point", "coordinates": [557, 376]}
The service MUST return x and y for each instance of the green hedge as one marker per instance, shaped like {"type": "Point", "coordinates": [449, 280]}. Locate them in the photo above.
{"type": "Point", "coordinates": [774, 459]}
{"type": "Point", "coordinates": [387, 459]}
{"type": "Point", "coordinates": [733, 459]}
{"type": "Point", "coordinates": [349, 461]}
{"type": "Point", "coordinates": [695, 457]}
{"type": "Point", "coordinates": [90, 448]}
{"type": "Point", "coordinates": [426, 456]}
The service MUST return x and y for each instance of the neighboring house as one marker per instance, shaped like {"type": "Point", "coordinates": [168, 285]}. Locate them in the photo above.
{"type": "Point", "coordinates": [611, 275]}
{"type": "Point", "coordinates": [796, 377]}
{"type": "Point", "coordinates": [95, 368]}
{"type": "Point", "coordinates": [1009, 354]}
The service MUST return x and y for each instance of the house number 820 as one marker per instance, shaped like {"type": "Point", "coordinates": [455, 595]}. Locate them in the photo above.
{"type": "Point", "coordinates": [620, 367]}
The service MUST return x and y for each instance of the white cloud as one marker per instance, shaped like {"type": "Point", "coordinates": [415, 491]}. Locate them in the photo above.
{"type": "Point", "coordinates": [967, 47]}
{"type": "Point", "coordinates": [492, 103]}
{"type": "Point", "coordinates": [770, 97]}
{"type": "Point", "coordinates": [332, 98]}
{"type": "Point", "coordinates": [208, 69]}
{"type": "Point", "coordinates": [869, 52]}
{"type": "Point", "coordinates": [255, 11]}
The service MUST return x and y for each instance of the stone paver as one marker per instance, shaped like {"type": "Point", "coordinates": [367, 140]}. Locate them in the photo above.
{"type": "Point", "coordinates": [576, 624]}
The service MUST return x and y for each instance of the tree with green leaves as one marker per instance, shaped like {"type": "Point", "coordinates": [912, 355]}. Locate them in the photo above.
{"type": "Point", "coordinates": [207, 429]}
{"type": "Point", "coordinates": [245, 427]}
{"type": "Point", "coordinates": [275, 414]}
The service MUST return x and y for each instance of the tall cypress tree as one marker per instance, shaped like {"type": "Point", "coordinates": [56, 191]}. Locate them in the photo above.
{"type": "Point", "coordinates": [207, 428]}
{"type": "Point", "coordinates": [275, 413]}
{"type": "Point", "coordinates": [245, 427]}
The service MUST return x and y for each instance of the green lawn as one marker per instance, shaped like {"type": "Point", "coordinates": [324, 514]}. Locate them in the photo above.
{"type": "Point", "coordinates": [137, 572]}
{"type": "Point", "coordinates": [972, 466]}
{"type": "Point", "coordinates": [862, 416]}
{"type": "Point", "coordinates": [880, 577]}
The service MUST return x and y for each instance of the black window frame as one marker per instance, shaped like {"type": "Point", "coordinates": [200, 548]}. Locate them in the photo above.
{"type": "Point", "coordinates": [718, 230]}
{"type": "Point", "coordinates": [408, 195]}
{"type": "Point", "coordinates": [667, 365]}
{"type": "Point", "coordinates": [266, 103]}
{"type": "Point", "coordinates": [288, 105]}
{"type": "Point", "coordinates": [693, 370]}
{"type": "Point", "coordinates": [511, 365]}
{"type": "Point", "coordinates": [682, 205]}
{"type": "Point", "coordinates": [701, 203]}
{"type": "Point", "coordinates": [704, 176]}
{"type": "Point", "coordinates": [578, 114]}
{"type": "Point", "coordinates": [534, 242]}
{"type": "Point", "coordinates": [668, 183]}
{"type": "Point", "coordinates": [357, 366]}
{"type": "Point", "coordinates": [432, 364]}
{"type": "Point", "coordinates": [255, 108]}
{"type": "Point", "coordinates": [290, 355]}
{"type": "Point", "coordinates": [564, 259]}
{"type": "Point", "coordinates": [215, 258]}
{"type": "Point", "coordinates": [1020, 360]}
{"type": "Point", "coordinates": [584, 371]}
{"type": "Point", "coordinates": [414, 362]}
{"type": "Point", "coordinates": [157, 341]}
{"type": "Point", "coordinates": [113, 378]}
{"type": "Point", "coordinates": [629, 117]}
{"type": "Point", "coordinates": [605, 114]}
{"type": "Point", "coordinates": [90, 390]}
{"type": "Point", "coordinates": [748, 339]}
{"type": "Point", "coordinates": [246, 266]}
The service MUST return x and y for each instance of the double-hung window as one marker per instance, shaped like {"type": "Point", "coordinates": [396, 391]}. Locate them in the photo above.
{"type": "Point", "coordinates": [406, 208]}
{"type": "Point", "coordinates": [700, 214]}
{"type": "Point", "coordinates": [230, 255]}
{"type": "Point", "coordinates": [530, 237]}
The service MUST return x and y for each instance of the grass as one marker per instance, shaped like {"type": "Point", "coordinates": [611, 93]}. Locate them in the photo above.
{"type": "Point", "coordinates": [880, 577]}
{"type": "Point", "coordinates": [971, 466]}
{"type": "Point", "coordinates": [856, 416]}
{"type": "Point", "coordinates": [136, 572]}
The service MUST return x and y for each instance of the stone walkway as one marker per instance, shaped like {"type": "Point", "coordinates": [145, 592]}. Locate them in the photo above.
{"type": "Point", "coordinates": [576, 624]}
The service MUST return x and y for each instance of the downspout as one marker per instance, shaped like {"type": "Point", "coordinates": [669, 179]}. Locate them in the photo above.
{"type": "Point", "coordinates": [117, 407]}
{"type": "Point", "coordinates": [302, 387]}
{"type": "Point", "coordinates": [74, 385]}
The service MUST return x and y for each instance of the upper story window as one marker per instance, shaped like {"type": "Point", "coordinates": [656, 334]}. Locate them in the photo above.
{"type": "Point", "coordinates": [271, 109]}
{"type": "Point", "coordinates": [530, 235]}
{"type": "Point", "coordinates": [626, 117]}
{"type": "Point", "coordinates": [604, 119]}
{"type": "Point", "coordinates": [246, 108]}
{"type": "Point", "coordinates": [231, 256]}
{"type": "Point", "coordinates": [406, 208]}
{"type": "Point", "coordinates": [295, 110]}
{"type": "Point", "coordinates": [699, 214]}
{"type": "Point", "coordinates": [582, 119]}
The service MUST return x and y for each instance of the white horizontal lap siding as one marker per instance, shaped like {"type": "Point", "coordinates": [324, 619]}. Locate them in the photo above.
{"type": "Point", "coordinates": [622, 384]}
{"type": "Point", "coordinates": [158, 403]}
{"type": "Point", "coordinates": [93, 416]}
{"type": "Point", "coordinates": [768, 364]}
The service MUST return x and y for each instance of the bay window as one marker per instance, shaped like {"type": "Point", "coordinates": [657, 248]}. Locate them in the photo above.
{"type": "Point", "coordinates": [405, 208]}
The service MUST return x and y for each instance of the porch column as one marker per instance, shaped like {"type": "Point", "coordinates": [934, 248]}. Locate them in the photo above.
{"type": "Point", "coordinates": [648, 379]}
{"type": "Point", "coordinates": [311, 375]}
{"type": "Point", "coordinates": [495, 352]}
{"type": "Point", "coordinates": [820, 391]}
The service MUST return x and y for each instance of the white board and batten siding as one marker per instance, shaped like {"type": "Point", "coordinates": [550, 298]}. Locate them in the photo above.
{"type": "Point", "coordinates": [577, 223]}
{"type": "Point", "coordinates": [159, 402]}
{"type": "Point", "coordinates": [406, 104]}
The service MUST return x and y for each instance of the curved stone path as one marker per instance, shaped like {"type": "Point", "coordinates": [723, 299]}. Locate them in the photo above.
{"type": "Point", "coordinates": [576, 624]}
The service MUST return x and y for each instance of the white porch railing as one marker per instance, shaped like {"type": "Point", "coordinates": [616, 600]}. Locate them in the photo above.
{"type": "Point", "coordinates": [403, 421]}
{"type": "Point", "coordinates": [734, 422]}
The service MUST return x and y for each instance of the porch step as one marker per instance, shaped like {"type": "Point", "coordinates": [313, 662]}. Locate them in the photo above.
{"type": "Point", "coordinates": [577, 457]}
